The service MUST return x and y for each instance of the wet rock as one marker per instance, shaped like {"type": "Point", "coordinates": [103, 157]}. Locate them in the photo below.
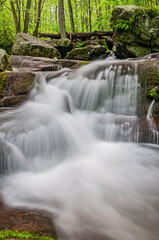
{"type": "Point", "coordinates": [5, 63]}
{"type": "Point", "coordinates": [23, 220]}
{"type": "Point", "coordinates": [26, 63]}
{"type": "Point", "coordinates": [126, 50]}
{"type": "Point", "coordinates": [15, 88]}
{"type": "Point", "coordinates": [28, 45]}
{"type": "Point", "coordinates": [88, 53]}
{"type": "Point", "coordinates": [136, 31]}
{"type": "Point", "coordinates": [148, 74]}
{"type": "Point", "coordinates": [63, 45]}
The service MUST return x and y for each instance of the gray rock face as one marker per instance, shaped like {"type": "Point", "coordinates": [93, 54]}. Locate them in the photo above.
{"type": "Point", "coordinates": [34, 64]}
{"type": "Point", "coordinates": [28, 45]}
{"type": "Point", "coordinates": [136, 31]}
{"type": "Point", "coordinates": [5, 63]}
{"type": "Point", "coordinates": [15, 88]}
{"type": "Point", "coordinates": [88, 53]}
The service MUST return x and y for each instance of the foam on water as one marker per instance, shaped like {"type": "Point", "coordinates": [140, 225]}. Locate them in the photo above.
{"type": "Point", "coordinates": [69, 145]}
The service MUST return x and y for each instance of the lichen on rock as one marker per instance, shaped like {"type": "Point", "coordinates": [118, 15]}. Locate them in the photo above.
{"type": "Point", "coordinates": [28, 45]}
{"type": "Point", "coordinates": [63, 45]}
{"type": "Point", "coordinates": [5, 63]}
{"type": "Point", "coordinates": [136, 30]}
{"type": "Point", "coordinates": [88, 53]}
{"type": "Point", "coordinates": [15, 88]}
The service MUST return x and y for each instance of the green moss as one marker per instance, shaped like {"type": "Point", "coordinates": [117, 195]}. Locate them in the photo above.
{"type": "Point", "coordinates": [79, 54]}
{"type": "Point", "coordinates": [148, 73]}
{"type": "Point", "coordinates": [130, 25]}
{"type": "Point", "coordinates": [7, 234]}
{"type": "Point", "coordinates": [79, 45]}
{"type": "Point", "coordinates": [84, 63]}
{"type": "Point", "coordinates": [2, 80]}
{"type": "Point", "coordinates": [29, 80]}
{"type": "Point", "coordinates": [154, 93]}
{"type": "Point", "coordinates": [138, 51]}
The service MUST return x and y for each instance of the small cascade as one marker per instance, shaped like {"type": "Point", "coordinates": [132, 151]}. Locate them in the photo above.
{"type": "Point", "coordinates": [152, 125]}
{"type": "Point", "coordinates": [106, 95]}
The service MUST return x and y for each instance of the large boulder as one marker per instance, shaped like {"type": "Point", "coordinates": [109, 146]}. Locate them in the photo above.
{"type": "Point", "coordinates": [15, 88]}
{"type": "Point", "coordinates": [5, 63]}
{"type": "Point", "coordinates": [63, 45]}
{"type": "Point", "coordinates": [25, 220]}
{"type": "Point", "coordinates": [28, 45]}
{"type": "Point", "coordinates": [88, 53]}
{"type": "Point", "coordinates": [136, 31]}
{"type": "Point", "coordinates": [148, 74]}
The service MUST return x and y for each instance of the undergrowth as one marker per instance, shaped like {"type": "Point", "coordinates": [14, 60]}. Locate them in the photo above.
{"type": "Point", "coordinates": [130, 25]}
{"type": "Point", "coordinates": [7, 234]}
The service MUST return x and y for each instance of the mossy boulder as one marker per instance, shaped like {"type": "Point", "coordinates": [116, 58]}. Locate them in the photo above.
{"type": "Point", "coordinates": [63, 45]}
{"type": "Point", "coordinates": [136, 30]}
{"type": "Point", "coordinates": [123, 12]}
{"type": "Point", "coordinates": [5, 63]}
{"type": "Point", "coordinates": [88, 53]}
{"type": "Point", "coordinates": [22, 221]}
{"type": "Point", "coordinates": [28, 45]}
{"type": "Point", "coordinates": [15, 88]}
{"type": "Point", "coordinates": [148, 74]}
{"type": "Point", "coordinates": [124, 50]}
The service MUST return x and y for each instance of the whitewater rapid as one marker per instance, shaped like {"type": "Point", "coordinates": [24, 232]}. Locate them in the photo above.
{"type": "Point", "coordinates": [72, 150]}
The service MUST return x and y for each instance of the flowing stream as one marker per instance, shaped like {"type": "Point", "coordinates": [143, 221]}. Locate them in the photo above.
{"type": "Point", "coordinates": [73, 150]}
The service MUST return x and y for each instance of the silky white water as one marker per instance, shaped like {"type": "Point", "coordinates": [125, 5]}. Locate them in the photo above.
{"type": "Point", "coordinates": [72, 150]}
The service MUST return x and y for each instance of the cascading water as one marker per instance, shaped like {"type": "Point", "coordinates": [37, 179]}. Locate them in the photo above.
{"type": "Point", "coordinates": [69, 150]}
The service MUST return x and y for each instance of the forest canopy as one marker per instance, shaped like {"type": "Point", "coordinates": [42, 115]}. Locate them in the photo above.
{"type": "Point", "coordinates": [54, 16]}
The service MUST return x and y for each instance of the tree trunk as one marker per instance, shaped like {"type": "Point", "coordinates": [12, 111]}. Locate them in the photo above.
{"type": "Point", "coordinates": [18, 5]}
{"type": "Point", "coordinates": [26, 20]}
{"type": "Point", "coordinates": [76, 15]}
{"type": "Point", "coordinates": [17, 23]}
{"type": "Point", "coordinates": [71, 16]}
{"type": "Point", "coordinates": [89, 11]}
{"type": "Point", "coordinates": [56, 13]}
{"type": "Point", "coordinates": [83, 35]}
{"type": "Point", "coordinates": [86, 21]}
{"type": "Point", "coordinates": [61, 15]}
{"type": "Point", "coordinates": [100, 16]}
{"type": "Point", "coordinates": [40, 6]}
{"type": "Point", "coordinates": [35, 11]}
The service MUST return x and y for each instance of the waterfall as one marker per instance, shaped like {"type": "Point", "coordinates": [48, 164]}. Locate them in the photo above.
{"type": "Point", "coordinates": [72, 150]}
{"type": "Point", "coordinates": [152, 125]}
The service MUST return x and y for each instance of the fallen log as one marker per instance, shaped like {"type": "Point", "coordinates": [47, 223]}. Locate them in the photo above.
{"type": "Point", "coordinates": [80, 35]}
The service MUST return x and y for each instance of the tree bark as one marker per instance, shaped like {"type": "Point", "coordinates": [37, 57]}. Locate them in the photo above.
{"type": "Point", "coordinates": [35, 11]}
{"type": "Point", "coordinates": [89, 11]}
{"type": "Point", "coordinates": [40, 6]}
{"type": "Point", "coordinates": [99, 34]}
{"type": "Point", "coordinates": [56, 13]}
{"type": "Point", "coordinates": [71, 16]}
{"type": "Point", "coordinates": [61, 15]}
{"type": "Point", "coordinates": [16, 21]}
{"type": "Point", "coordinates": [76, 15]}
{"type": "Point", "coordinates": [26, 20]}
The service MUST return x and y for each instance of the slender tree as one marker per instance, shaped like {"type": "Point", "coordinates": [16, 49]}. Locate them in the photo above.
{"type": "Point", "coordinates": [39, 9]}
{"type": "Point", "coordinates": [61, 15]}
{"type": "Point", "coordinates": [15, 16]}
{"type": "Point", "coordinates": [71, 16]}
{"type": "Point", "coordinates": [26, 20]}
{"type": "Point", "coordinates": [89, 11]}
